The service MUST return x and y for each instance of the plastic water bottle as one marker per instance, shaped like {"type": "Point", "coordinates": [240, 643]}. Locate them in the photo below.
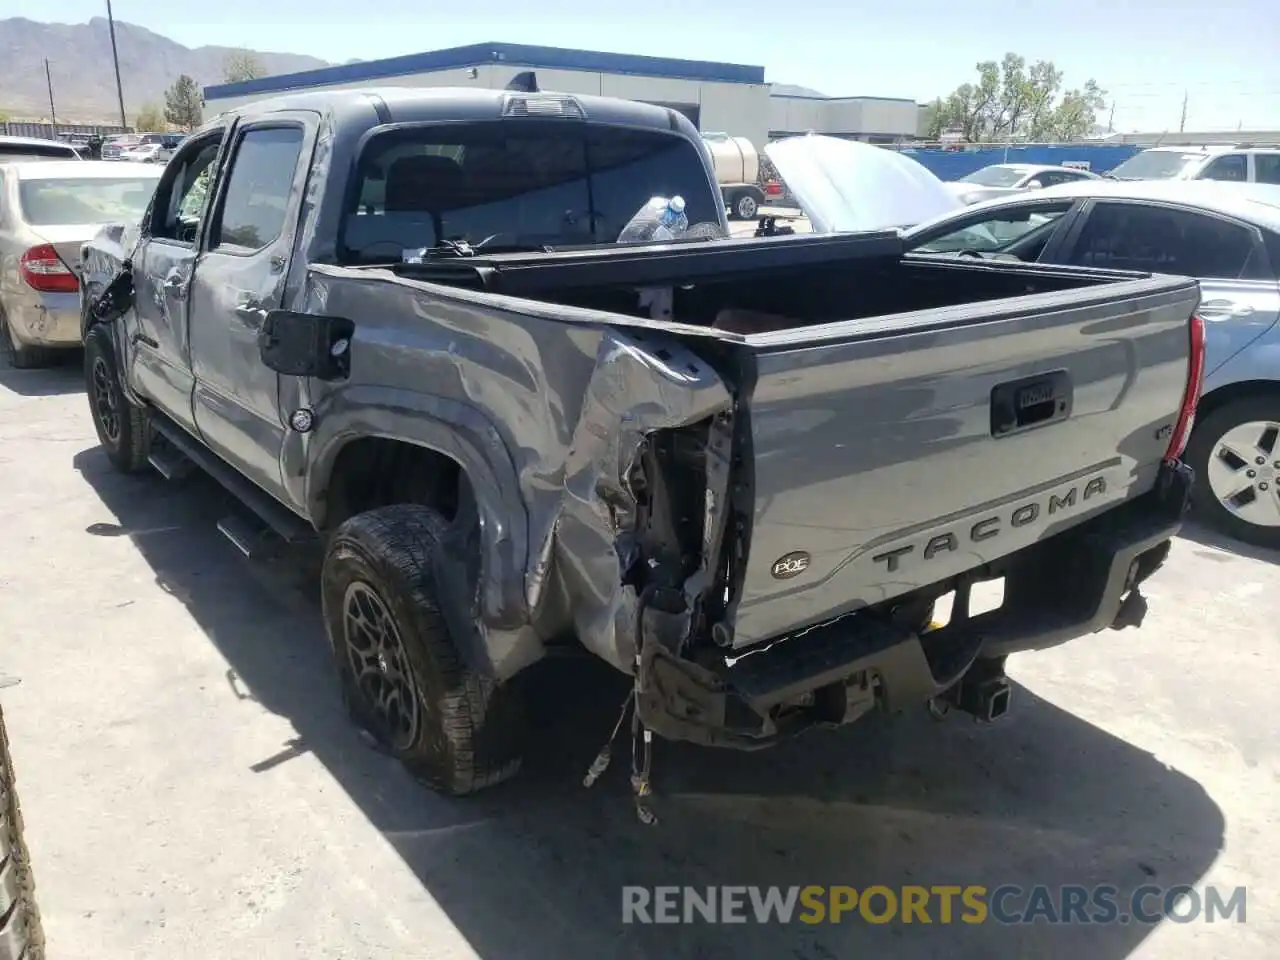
{"type": "Point", "coordinates": [662, 218]}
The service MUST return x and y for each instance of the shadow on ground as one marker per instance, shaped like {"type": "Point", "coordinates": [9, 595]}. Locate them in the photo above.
{"type": "Point", "coordinates": [64, 375]}
{"type": "Point", "coordinates": [1198, 533]}
{"type": "Point", "coordinates": [1041, 798]}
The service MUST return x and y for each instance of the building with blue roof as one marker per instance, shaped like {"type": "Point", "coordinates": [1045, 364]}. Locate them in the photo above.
{"type": "Point", "coordinates": [728, 97]}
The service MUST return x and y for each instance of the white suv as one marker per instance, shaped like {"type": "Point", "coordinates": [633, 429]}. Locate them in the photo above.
{"type": "Point", "coordinates": [1243, 163]}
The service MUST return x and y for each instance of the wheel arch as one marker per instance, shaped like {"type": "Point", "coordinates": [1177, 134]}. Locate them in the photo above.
{"type": "Point", "coordinates": [450, 448]}
{"type": "Point", "coordinates": [1237, 390]}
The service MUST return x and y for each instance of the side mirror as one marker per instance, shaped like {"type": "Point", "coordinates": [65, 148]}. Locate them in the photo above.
{"type": "Point", "coordinates": [306, 344]}
{"type": "Point", "coordinates": [1034, 184]}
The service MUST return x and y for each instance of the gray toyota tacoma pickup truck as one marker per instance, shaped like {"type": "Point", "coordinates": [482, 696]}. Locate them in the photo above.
{"type": "Point", "coordinates": [741, 470]}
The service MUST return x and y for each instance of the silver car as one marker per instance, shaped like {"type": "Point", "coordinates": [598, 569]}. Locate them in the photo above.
{"type": "Point", "coordinates": [1002, 179]}
{"type": "Point", "coordinates": [1225, 234]}
{"type": "Point", "coordinates": [47, 210]}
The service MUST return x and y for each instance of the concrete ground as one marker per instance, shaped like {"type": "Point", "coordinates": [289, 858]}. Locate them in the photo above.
{"type": "Point", "coordinates": [193, 789]}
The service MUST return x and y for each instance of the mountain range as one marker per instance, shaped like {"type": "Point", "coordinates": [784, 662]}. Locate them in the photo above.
{"type": "Point", "coordinates": [79, 58]}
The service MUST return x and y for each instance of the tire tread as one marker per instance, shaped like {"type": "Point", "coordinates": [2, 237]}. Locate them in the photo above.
{"type": "Point", "coordinates": [480, 721]}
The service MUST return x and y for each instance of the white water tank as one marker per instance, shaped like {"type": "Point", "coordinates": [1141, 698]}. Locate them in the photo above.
{"type": "Point", "coordinates": [735, 159]}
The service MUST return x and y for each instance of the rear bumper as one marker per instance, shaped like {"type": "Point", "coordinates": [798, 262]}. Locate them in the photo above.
{"type": "Point", "coordinates": [1079, 582]}
{"type": "Point", "coordinates": [45, 319]}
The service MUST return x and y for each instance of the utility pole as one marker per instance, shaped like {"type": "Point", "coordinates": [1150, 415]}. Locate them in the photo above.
{"type": "Point", "coordinates": [115, 59]}
{"type": "Point", "coordinates": [53, 112]}
{"type": "Point", "coordinates": [1111, 120]}
{"type": "Point", "coordinates": [1182, 124]}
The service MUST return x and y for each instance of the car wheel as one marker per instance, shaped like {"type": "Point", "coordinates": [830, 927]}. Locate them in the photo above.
{"type": "Point", "coordinates": [744, 206]}
{"type": "Point", "coordinates": [123, 427]}
{"type": "Point", "coordinates": [21, 934]}
{"type": "Point", "coordinates": [21, 356]}
{"type": "Point", "coordinates": [401, 674]}
{"type": "Point", "coordinates": [1235, 452]}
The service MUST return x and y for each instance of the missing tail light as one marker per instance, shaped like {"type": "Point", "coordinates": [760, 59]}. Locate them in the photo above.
{"type": "Point", "coordinates": [1191, 395]}
{"type": "Point", "coordinates": [43, 270]}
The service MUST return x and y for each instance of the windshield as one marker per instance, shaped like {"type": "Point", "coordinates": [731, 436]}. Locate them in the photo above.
{"type": "Point", "coordinates": [988, 236]}
{"type": "Point", "coordinates": [66, 201]}
{"type": "Point", "coordinates": [1155, 165]}
{"type": "Point", "coordinates": [515, 184]}
{"type": "Point", "coordinates": [996, 176]}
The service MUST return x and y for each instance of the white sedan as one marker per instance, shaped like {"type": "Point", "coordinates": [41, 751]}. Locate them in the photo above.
{"type": "Point", "coordinates": [1002, 179]}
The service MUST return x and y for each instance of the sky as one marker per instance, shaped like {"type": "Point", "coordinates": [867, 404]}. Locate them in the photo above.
{"type": "Point", "coordinates": [1220, 55]}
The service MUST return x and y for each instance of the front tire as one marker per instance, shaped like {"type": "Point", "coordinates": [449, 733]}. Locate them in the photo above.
{"type": "Point", "coordinates": [1235, 452]}
{"type": "Point", "coordinates": [402, 676]}
{"type": "Point", "coordinates": [122, 426]}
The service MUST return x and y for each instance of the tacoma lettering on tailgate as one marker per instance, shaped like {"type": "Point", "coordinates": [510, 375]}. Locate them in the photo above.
{"type": "Point", "coordinates": [993, 525]}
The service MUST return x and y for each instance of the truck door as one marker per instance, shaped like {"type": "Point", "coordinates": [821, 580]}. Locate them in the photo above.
{"type": "Point", "coordinates": [156, 342]}
{"type": "Point", "coordinates": [240, 276]}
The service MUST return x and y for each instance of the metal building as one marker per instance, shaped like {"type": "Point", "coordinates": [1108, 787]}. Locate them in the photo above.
{"type": "Point", "coordinates": [729, 97]}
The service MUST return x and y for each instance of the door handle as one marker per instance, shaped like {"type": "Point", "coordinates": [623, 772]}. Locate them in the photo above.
{"type": "Point", "coordinates": [1223, 310]}
{"type": "Point", "coordinates": [251, 310]}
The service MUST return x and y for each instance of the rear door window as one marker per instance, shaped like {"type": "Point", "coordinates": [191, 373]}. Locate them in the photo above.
{"type": "Point", "coordinates": [1266, 167]}
{"type": "Point", "coordinates": [255, 203]}
{"type": "Point", "coordinates": [1230, 166]}
{"type": "Point", "coordinates": [1154, 239]}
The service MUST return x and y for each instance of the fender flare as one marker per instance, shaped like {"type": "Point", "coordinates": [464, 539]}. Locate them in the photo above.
{"type": "Point", "coordinates": [453, 429]}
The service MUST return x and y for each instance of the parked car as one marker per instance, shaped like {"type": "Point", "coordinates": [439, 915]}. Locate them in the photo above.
{"type": "Point", "coordinates": [13, 149]}
{"type": "Point", "coordinates": [147, 153]}
{"type": "Point", "coordinates": [115, 145]}
{"type": "Point", "coordinates": [21, 932]}
{"type": "Point", "coordinates": [1237, 164]}
{"type": "Point", "coordinates": [402, 329]}
{"type": "Point", "coordinates": [1002, 179]}
{"type": "Point", "coordinates": [47, 209]}
{"type": "Point", "coordinates": [1228, 236]}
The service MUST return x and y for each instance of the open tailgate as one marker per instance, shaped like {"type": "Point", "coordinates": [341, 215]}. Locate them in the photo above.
{"type": "Point", "coordinates": [895, 452]}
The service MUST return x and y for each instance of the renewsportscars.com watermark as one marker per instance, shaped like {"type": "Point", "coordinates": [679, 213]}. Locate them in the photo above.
{"type": "Point", "coordinates": [1007, 904]}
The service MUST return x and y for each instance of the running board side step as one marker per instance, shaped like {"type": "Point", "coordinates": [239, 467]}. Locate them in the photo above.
{"type": "Point", "coordinates": [283, 522]}
{"type": "Point", "coordinates": [169, 463]}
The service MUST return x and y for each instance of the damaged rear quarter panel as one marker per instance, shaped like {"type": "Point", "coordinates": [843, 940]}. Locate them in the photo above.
{"type": "Point", "coordinates": [543, 406]}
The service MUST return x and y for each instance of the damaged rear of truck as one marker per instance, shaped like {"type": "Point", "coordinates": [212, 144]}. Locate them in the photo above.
{"type": "Point", "coordinates": [743, 471]}
{"type": "Point", "coordinates": [759, 526]}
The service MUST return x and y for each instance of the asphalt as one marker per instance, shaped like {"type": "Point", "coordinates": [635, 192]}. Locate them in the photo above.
{"type": "Point", "coordinates": [193, 790]}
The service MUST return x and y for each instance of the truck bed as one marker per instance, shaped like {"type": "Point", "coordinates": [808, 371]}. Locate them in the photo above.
{"type": "Point", "coordinates": [913, 418]}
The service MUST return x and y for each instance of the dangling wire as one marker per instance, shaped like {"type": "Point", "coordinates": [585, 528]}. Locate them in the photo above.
{"type": "Point", "coordinates": [601, 763]}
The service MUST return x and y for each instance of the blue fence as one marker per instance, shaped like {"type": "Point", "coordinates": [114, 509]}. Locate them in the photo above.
{"type": "Point", "coordinates": [954, 164]}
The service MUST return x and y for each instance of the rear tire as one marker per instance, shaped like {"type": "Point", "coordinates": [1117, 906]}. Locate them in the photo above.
{"type": "Point", "coordinates": [1244, 426]}
{"type": "Point", "coordinates": [21, 356]}
{"type": "Point", "coordinates": [21, 934]}
{"type": "Point", "coordinates": [401, 674]}
{"type": "Point", "coordinates": [124, 430]}
{"type": "Point", "coordinates": [743, 206]}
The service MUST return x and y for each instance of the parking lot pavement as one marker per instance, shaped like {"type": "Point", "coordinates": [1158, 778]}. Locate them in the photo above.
{"type": "Point", "coordinates": [193, 790]}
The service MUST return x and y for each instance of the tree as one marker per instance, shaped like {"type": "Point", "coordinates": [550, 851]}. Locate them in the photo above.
{"type": "Point", "coordinates": [1014, 101]}
{"type": "Point", "coordinates": [182, 105]}
{"type": "Point", "coordinates": [242, 66]}
{"type": "Point", "coordinates": [150, 118]}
